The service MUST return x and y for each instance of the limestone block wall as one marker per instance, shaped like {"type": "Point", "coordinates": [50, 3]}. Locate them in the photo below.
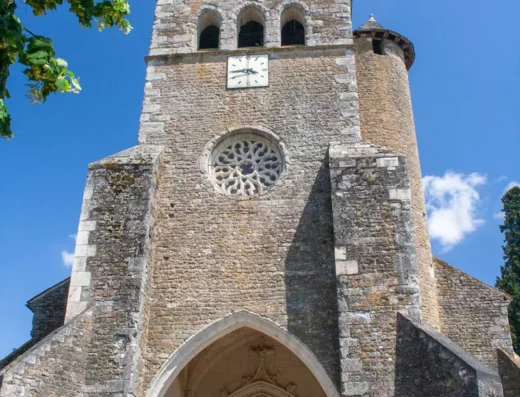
{"type": "Point", "coordinates": [272, 254]}
{"type": "Point", "coordinates": [55, 366]}
{"type": "Point", "coordinates": [311, 89]}
{"type": "Point", "coordinates": [176, 21]}
{"type": "Point", "coordinates": [49, 310]}
{"type": "Point", "coordinates": [387, 120]}
{"type": "Point", "coordinates": [509, 369]}
{"type": "Point", "coordinates": [473, 314]}
{"type": "Point", "coordinates": [49, 314]}
{"type": "Point", "coordinates": [429, 364]}
{"type": "Point", "coordinates": [110, 266]}
{"type": "Point", "coordinates": [376, 263]}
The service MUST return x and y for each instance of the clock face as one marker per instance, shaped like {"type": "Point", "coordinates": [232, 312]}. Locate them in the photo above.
{"type": "Point", "coordinates": [247, 71]}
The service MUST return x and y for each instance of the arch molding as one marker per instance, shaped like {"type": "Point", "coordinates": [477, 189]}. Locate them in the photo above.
{"type": "Point", "coordinates": [216, 330]}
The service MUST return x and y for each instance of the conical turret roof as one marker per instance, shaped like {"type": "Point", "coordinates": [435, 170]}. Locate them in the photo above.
{"type": "Point", "coordinates": [371, 24]}
{"type": "Point", "coordinates": [374, 30]}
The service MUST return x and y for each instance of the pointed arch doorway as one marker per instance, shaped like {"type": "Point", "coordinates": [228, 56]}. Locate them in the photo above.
{"type": "Point", "coordinates": [242, 355]}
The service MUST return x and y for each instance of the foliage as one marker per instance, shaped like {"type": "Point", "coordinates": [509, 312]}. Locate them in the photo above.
{"type": "Point", "coordinates": [47, 74]}
{"type": "Point", "coordinates": [509, 281]}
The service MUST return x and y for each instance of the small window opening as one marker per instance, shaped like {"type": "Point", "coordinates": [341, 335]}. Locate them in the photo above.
{"type": "Point", "coordinates": [209, 37]}
{"type": "Point", "coordinates": [251, 28]}
{"type": "Point", "coordinates": [293, 26]}
{"type": "Point", "coordinates": [209, 30]}
{"type": "Point", "coordinates": [293, 33]}
{"type": "Point", "coordinates": [251, 35]}
{"type": "Point", "coordinates": [378, 47]}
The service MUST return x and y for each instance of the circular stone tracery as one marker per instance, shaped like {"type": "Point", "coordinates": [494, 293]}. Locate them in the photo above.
{"type": "Point", "coordinates": [246, 165]}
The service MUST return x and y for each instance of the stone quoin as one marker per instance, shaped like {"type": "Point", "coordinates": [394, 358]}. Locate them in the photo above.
{"type": "Point", "coordinates": [267, 236]}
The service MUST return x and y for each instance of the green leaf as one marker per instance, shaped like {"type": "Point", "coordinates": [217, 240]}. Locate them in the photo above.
{"type": "Point", "coordinates": [5, 122]}
{"type": "Point", "coordinates": [38, 61]}
{"type": "Point", "coordinates": [62, 84]}
{"type": "Point", "coordinates": [40, 43]}
{"type": "Point", "coordinates": [38, 55]}
{"type": "Point", "coordinates": [47, 74]}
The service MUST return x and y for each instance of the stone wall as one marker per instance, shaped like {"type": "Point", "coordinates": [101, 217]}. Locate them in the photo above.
{"type": "Point", "coordinates": [272, 254]}
{"type": "Point", "coordinates": [176, 21]}
{"type": "Point", "coordinates": [509, 369]}
{"type": "Point", "coordinates": [386, 115]}
{"type": "Point", "coordinates": [473, 314]}
{"type": "Point", "coordinates": [49, 314]}
{"type": "Point", "coordinates": [311, 89]}
{"type": "Point", "coordinates": [54, 367]}
{"type": "Point", "coordinates": [110, 265]}
{"type": "Point", "coordinates": [49, 310]}
{"type": "Point", "coordinates": [429, 364]}
{"type": "Point", "coordinates": [376, 263]}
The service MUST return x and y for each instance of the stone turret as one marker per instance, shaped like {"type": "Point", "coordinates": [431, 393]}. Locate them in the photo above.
{"type": "Point", "coordinates": [383, 58]}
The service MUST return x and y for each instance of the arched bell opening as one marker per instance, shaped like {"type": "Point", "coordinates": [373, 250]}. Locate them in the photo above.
{"type": "Point", "coordinates": [209, 30]}
{"type": "Point", "coordinates": [242, 355]}
{"type": "Point", "coordinates": [245, 363]}
{"type": "Point", "coordinates": [293, 26]}
{"type": "Point", "coordinates": [251, 25]}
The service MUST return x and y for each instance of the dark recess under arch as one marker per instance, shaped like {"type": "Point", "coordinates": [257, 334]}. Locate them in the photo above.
{"type": "Point", "coordinates": [251, 34]}
{"type": "Point", "coordinates": [209, 37]}
{"type": "Point", "coordinates": [293, 33]}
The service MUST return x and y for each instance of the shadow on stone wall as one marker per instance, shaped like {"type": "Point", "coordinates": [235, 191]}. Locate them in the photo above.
{"type": "Point", "coordinates": [509, 370]}
{"type": "Point", "coordinates": [310, 277]}
{"type": "Point", "coordinates": [429, 364]}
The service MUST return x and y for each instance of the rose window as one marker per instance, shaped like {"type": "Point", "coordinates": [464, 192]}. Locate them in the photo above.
{"type": "Point", "coordinates": [246, 166]}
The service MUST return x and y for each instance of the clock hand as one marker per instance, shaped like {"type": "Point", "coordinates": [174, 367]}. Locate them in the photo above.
{"type": "Point", "coordinates": [250, 70]}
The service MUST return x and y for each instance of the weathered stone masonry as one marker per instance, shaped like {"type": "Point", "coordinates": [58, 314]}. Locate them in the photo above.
{"type": "Point", "coordinates": [473, 314]}
{"type": "Point", "coordinates": [273, 255]}
{"type": "Point", "coordinates": [376, 266]}
{"type": "Point", "coordinates": [56, 365]}
{"type": "Point", "coordinates": [509, 369]}
{"type": "Point", "coordinates": [97, 352]}
{"type": "Point", "coordinates": [119, 208]}
{"type": "Point", "coordinates": [49, 310]}
{"type": "Point", "coordinates": [49, 314]}
{"type": "Point", "coordinates": [429, 364]}
{"type": "Point", "coordinates": [323, 282]}
{"type": "Point", "coordinates": [386, 116]}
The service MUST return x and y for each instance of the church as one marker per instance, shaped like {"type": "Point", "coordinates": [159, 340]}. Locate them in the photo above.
{"type": "Point", "coordinates": [267, 237]}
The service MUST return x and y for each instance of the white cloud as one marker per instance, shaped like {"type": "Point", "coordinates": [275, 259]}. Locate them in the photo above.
{"type": "Point", "coordinates": [451, 202]}
{"type": "Point", "coordinates": [499, 215]}
{"type": "Point", "coordinates": [511, 185]}
{"type": "Point", "coordinates": [67, 258]}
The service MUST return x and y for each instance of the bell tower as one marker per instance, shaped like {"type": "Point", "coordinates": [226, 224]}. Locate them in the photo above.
{"type": "Point", "coordinates": [263, 209]}
{"type": "Point", "coordinates": [266, 236]}
{"type": "Point", "coordinates": [245, 97]}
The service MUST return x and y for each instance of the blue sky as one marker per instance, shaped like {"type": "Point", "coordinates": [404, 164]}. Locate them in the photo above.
{"type": "Point", "coordinates": [466, 95]}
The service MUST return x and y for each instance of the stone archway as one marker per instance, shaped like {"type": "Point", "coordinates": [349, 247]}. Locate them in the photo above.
{"type": "Point", "coordinates": [242, 355]}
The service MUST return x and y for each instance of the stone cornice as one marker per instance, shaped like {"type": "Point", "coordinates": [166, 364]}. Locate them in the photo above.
{"type": "Point", "coordinates": [168, 54]}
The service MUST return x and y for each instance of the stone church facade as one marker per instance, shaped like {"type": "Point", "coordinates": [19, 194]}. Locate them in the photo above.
{"type": "Point", "coordinates": [267, 236]}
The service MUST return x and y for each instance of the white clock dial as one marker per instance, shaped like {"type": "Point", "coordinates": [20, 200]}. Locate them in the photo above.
{"type": "Point", "coordinates": [248, 71]}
